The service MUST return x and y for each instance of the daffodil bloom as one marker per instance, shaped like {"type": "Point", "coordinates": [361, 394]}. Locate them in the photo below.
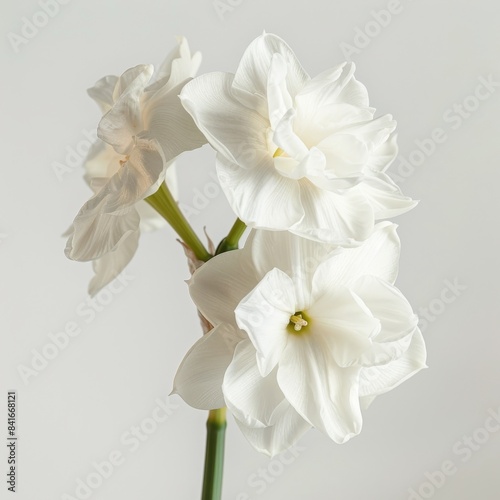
{"type": "Point", "coordinates": [145, 128]}
{"type": "Point", "coordinates": [298, 153]}
{"type": "Point", "coordinates": [304, 335]}
{"type": "Point", "coordinates": [101, 164]}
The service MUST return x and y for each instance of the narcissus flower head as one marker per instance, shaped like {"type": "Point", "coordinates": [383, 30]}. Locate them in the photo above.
{"type": "Point", "coordinates": [304, 335]}
{"type": "Point", "coordinates": [298, 153]}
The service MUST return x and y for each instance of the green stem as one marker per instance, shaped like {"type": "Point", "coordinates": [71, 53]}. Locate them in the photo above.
{"type": "Point", "coordinates": [164, 203]}
{"type": "Point", "coordinates": [230, 242]}
{"type": "Point", "coordinates": [214, 455]}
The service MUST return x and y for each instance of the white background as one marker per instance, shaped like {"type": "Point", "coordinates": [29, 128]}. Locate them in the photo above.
{"type": "Point", "coordinates": [428, 58]}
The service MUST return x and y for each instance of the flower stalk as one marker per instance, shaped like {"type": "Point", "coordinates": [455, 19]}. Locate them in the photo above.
{"type": "Point", "coordinates": [164, 203]}
{"type": "Point", "coordinates": [214, 455]}
{"type": "Point", "coordinates": [230, 242]}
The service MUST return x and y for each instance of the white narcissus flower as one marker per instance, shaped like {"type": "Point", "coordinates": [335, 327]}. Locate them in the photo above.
{"type": "Point", "coordinates": [145, 128]}
{"type": "Point", "coordinates": [295, 153]}
{"type": "Point", "coordinates": [304, 335]}
{"type": "Point", "coordinates": [101, 164]}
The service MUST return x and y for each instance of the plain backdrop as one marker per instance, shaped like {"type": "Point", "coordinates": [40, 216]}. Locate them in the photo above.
{"type": "Point", "coordinates": [424, 65]}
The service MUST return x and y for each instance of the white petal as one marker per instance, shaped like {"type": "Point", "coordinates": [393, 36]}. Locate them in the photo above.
{"type": "Point", "coordinates": [378, 256]}
{"type": "Point", "coordinates": [250, 81]}
{"type": "Point", "coordinates": [102, 161]}
{"type": "Point", "coordinates": [345, 155]}
{"type": "Point", "coordinates": [341, 319]}
{"type": "Point", "coordinates": [278, 97]}
{"type": "Point", "coordinates": [96, 233]}
{"type": "Point", "coordinates": [342, 219]}
{"type": "Point", "coordinates": [219, 285]}
{"type": "Point", "coordinates": [366, 401]}
{"type": "Point", "coordinates": [297, 257]}
{"type": "Point", "coordinates": [385, 197]}
{"type": "Point", "coordinates": [179, 64]}
{"type": "Point", "coordinates": [285, 137]}
{"type": "Point", "coordinates": [151, 220]}
{"type": "Point", "coordinates": [169, 123]}
{"type": "Point", "coordinates": [333, 86]}
{"type": "Point", "coordinates": [104, 220]}
{"type": "Point", "coordinates": [398, 322]}
{"type": "Point", "coordinates": [389, 306]}
{"type": "Point", "coordinates": [265, 314]}
{"type": "Point", "coordinates": [133, 79]}
{"type": "Point", "coordinates": [252, 398]}
{"type": "Point", "coordinates": [322, 392]}
{"type": "Point", "coordinates": [383, 156]}
{"type": "Point", "coordinates": [231, 128]}
{"type": "Point", "coordinates": [287, 429]}
{"type": "Point", "coordinates": [260, 196]}
{"type": "Point", "coordinates": [102, 92]}
{"type": "Point", "coordinates": [380, 379]}
{"type": "Point", "coordinates": [373, 132]}
{"type": "Point", "coordinates": [123, 121]}
{"type": "Point", "coordinates": [111, 264]}
{"type": "Point", "coordinates": [199, 378]}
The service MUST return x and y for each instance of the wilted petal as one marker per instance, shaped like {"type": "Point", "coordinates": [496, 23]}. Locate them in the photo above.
{"type": "Point", "coordinates": [102, 162]}
{"type": "Point", "coordinates": [111, 264]}
{"type": "Point", "coordinates": [123, 121]}
{"type": "Point", "coordinates": [104, 220]}
{"type": "Point", "coordinates": [170, 124]}
{"type": "Point", "coordinates": [96, 233]}
{"type": "Point", "coordinates": [178, 65]}
{"type": "Point", "coordinates": [102, 92]}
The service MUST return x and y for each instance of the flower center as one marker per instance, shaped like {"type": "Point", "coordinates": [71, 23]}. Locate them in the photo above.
{"type": "Point", "coordinates": [278, 152]}
{"type": "Point", "coordinates": [298, 321]}
{"type": "Point", "coordinates": [124, 160]}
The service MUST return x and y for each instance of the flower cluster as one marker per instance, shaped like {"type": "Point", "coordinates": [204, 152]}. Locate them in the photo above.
{"type": "Point", "coordinates": [306, 327]}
